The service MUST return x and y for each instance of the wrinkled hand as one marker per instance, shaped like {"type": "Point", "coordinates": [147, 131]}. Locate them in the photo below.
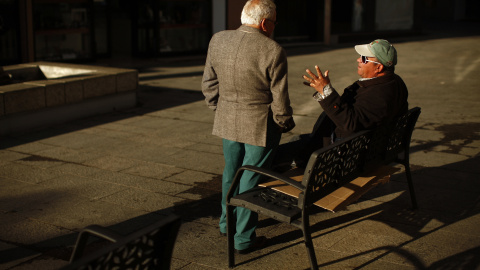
{"type": "Point", "coordinates": [317, 82]}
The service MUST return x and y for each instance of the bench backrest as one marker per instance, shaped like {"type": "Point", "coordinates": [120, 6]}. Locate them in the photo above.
{"type": "Point", "coordinates": [148, 248]}
{"type": "Point", "coordinates": [388, 141]}
{"type": "Point", "coordinates": [331, 167]}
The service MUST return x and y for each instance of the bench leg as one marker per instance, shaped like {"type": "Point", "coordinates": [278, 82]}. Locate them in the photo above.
{"type": "Point", "coordinates": [230, 236]}
{"type": "Point", "coordinates": [308, 241]}
{"type": "Point", "coordinates": [410, 185]}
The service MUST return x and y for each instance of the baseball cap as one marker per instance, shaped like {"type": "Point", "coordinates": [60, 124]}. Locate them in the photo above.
{"type": "Point", "coordinates": [380, 49]}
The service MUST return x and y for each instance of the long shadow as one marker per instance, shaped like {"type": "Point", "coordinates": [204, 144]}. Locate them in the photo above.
{"type": "Point", "coordinates": [394, 213]}
{"type": "Point", "coordinates": [149, 99]}
{"type": "Point", "coordinates": [61, 247]}
{"type": "Point", "coordinates": [466, 260]}
{"type": "Point", "coordinates": [461, 204]}
{"type": "Point", "coordinates": [439, 197]}
{"type": "Point", "coordinates": [463, 132]}
{"type": "Point", "coordinates": [447, 194]}
{"type": "Point", "coordinates": [406, 255]}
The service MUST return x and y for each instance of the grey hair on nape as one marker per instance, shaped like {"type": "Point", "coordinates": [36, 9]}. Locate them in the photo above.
{"type": "Point", "coordinates": [255, 10]}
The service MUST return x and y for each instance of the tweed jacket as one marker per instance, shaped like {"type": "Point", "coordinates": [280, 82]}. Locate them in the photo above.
{"type": "Point", "coordinates": [245, 83]}
{"type": "Point", "coordinates": [366, 104]}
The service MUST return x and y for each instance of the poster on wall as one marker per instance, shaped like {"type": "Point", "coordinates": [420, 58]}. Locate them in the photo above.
{"type": "Point", "coordinates": [394, 14]}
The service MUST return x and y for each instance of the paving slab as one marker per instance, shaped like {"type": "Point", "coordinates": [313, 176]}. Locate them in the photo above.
{"type": "Point", "coordinates": [13, 255]}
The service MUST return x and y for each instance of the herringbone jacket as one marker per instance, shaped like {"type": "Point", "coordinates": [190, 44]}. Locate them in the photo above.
{"type": "Point", "coordinates": [245, 82]}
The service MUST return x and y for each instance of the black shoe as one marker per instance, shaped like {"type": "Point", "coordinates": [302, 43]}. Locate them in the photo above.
{"type": "Point", "coordinates": [260, 242]}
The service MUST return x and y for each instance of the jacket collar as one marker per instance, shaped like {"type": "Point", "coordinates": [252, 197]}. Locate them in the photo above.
{"type": "Point", "coordinates": [378, 80]}
{"type": "Point", "coordinates": [249, 29]}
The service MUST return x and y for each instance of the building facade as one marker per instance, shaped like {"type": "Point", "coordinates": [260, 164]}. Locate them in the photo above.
{"type": "Point", "coordinates": [83, 30]}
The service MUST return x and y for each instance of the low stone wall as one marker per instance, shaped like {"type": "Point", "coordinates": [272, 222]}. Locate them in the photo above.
{"type": "Point", "coordinates": [48, 88]}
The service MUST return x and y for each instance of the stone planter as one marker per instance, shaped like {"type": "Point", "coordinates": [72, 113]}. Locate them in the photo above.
{"type": "Point", "coordinates": [41, 94]}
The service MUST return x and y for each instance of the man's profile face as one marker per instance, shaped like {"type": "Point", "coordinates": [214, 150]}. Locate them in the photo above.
{"type": "Point", "coordinates": [367, 70]}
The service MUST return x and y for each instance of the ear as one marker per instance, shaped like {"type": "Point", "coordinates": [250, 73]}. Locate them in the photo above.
{"type": "Point", "coordinates": [380, 68]}
{"type": "Point", "coordinates": [263, 25]}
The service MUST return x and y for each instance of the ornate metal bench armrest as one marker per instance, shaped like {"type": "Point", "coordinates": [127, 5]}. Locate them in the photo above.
{"type": "Point", "coordinates": [92, 230]}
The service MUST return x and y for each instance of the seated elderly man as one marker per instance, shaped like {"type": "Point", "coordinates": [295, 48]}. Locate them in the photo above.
{"type": "Point", "coordinates": [377, 97]}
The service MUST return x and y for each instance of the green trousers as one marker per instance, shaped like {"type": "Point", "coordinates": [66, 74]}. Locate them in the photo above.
{"type": "Point", "coordinates": [236, 155]}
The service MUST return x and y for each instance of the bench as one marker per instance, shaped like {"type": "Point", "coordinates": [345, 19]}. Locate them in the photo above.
{"type": "Point", "coordinates": [147, 248]}
{"type": "Point", "coordinates": [327, 170]}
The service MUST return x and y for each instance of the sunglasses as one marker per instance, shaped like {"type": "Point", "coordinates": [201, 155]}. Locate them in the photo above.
{"type": "Point", "coordinates": [365, 60]}
{"type": "Point", "coordinates": [274, 22]}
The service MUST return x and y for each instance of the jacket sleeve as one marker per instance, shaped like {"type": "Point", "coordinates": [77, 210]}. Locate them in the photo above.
{"type": "Point", "coordinates": [210, 86]}
{"type": "Point", "coordinates": [282, 111]}
{"type": "Point", "coordinates": [351, 113]}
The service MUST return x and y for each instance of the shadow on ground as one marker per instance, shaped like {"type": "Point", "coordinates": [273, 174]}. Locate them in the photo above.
{"type": "Point", "coordinates": [440, 196]}
{"type": "Point", "coordinates": [150, 99]}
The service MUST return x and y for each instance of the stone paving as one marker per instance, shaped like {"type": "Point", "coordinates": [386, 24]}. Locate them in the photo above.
{"type": "Point", "coordinates": [126, 169]}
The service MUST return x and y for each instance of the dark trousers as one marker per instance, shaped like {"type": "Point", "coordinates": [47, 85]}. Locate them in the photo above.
{"type": "Point", "coordinates": [298, 150]}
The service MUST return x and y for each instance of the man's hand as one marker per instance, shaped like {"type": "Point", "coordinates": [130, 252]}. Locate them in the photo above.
{"type": "Point", "coordinates": [317, 82]}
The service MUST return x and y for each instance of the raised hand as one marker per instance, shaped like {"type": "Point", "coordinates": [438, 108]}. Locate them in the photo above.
{"type": "Point", "coordinates": [318, 81]}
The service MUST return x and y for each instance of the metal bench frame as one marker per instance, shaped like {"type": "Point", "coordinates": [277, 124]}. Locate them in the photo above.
{"type": "Point", "coordinates": [327, 169]}
{"type": "Point", "coordinates": [148, 248]}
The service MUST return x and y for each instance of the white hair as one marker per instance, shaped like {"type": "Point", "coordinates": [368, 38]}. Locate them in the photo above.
{"type": "Point", "coordinates": [255, 10]}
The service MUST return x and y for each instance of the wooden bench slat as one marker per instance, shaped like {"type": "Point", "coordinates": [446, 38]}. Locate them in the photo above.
{"type": "Point", "coordinates": [343, 196]}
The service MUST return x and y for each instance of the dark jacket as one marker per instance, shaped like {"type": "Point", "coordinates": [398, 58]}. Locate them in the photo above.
{"type": "Point", "coordinates": [366, 104]}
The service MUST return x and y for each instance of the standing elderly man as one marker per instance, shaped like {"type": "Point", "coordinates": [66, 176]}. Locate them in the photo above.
{"type": "Point", "coordinates": [245, 83]}
{"type": "Point", "coordinates": [377, 97]}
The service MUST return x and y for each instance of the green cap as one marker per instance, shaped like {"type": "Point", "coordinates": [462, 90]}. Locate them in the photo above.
{"type": "Point", "coordinates": [380, 49]}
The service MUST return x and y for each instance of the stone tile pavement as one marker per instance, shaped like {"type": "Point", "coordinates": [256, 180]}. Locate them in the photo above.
{"type": "Point", "coordinates": [126, 169]}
